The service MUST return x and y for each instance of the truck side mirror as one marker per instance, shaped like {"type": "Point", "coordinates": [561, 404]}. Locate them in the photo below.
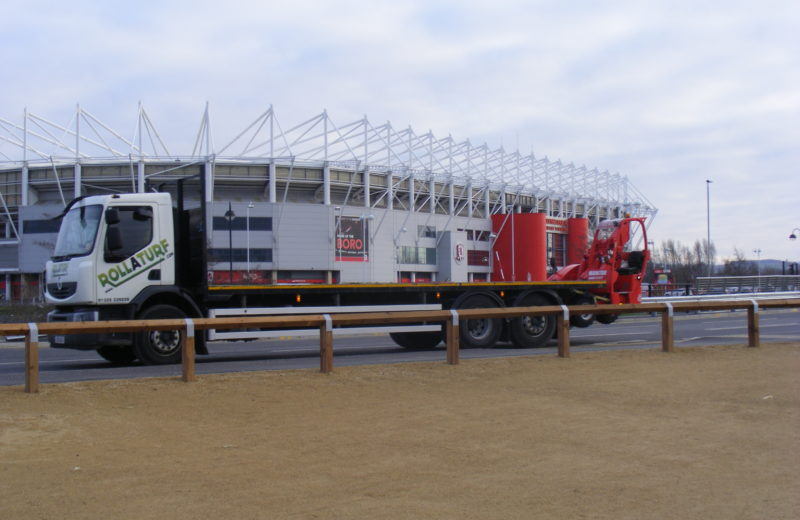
{"type": "Point", "coordinates": [113, 239]}
{"type": "Point", "coordinates": [112, 216]}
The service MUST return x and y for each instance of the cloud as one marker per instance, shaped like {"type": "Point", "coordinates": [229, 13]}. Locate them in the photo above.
{"type": "Point", "coordinates": [668, 93]}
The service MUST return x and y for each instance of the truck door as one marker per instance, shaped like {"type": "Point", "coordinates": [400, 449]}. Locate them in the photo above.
{"type": "Point", "coordinates": [134, 255]}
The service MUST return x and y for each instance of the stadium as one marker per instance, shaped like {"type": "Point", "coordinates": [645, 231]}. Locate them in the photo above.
{"type": "Point", "coordinates": [313, 202]}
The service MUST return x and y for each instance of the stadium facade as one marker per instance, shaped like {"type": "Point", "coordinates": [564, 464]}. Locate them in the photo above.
{"type": "Point", "coordinates": [282, 196]}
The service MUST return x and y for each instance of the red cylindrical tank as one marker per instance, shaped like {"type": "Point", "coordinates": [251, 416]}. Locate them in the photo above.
{"type": "Point", "coordinates": [577, 239]}
{"type": "Point", "coordinates": [519, 252]}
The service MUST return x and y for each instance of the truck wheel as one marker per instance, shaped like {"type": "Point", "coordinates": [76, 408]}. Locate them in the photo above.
{"type": "Point", "coordinates": [582, 320]}
{"type": "Point", "coordinates": [421, 340]}
{"type": "Point", "coordinates": [159, 347]}
{"type": "Point", "coordinates": [117, 354]}
{"type": "Point", "coordinates": [607, 319]}
{"type": "Point", "coordinates": [481, 332]}
{"type": "Point", "coordinates": [532, 331]}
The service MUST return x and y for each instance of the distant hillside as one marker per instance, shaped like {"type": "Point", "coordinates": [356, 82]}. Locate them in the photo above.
{"type": "Point", "coordinates": [774, 265]}
{"type": "Point", "coordinates": [766, 265]}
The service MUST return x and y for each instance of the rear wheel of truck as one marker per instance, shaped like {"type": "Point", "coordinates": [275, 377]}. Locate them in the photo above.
{"type": "Point", "coordinates": [159, 347]}
{"type": "Point", "coordinates": [532, 331]}
{"type": "Point", "coordinates": [582, 320]}
{"type": "Point", "coordinates": [480, 332]}
{"type": "Point", "coordinates": [417, 340]}
{"type": "Point", "coordinates": [117, 354]}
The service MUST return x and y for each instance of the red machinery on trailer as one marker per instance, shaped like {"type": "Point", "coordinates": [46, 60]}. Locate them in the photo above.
{"type": "Point", "coordinates": [614, 259]}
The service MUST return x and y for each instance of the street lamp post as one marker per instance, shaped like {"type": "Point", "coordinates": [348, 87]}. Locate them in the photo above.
{"type": "Point", "coordinates": [365, 237]}
{"type": "Point", "coordinates": [229, 216]}
{"type": "Point", "coordinates": [249, 207]}
{"type": "Point", "coordinates": [492, 239]}
{"type": "Point", "coordinates": [758, 267]}
{"type": "Point", "coordinates": [708, 227]}
{"type": "Point", "coordinates": [793, 236]}
{"type": "Point", "coordinates": [397, 276]}
{"type": "Point", "coordinates": [337, 215]}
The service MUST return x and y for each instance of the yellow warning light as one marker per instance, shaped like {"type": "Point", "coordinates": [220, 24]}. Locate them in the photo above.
{"type": "Point", "coordinates": [438, 295]}
{"type": "Point", "coordinates": [297, 298]}
{"type": "Point", "coordinates": [502, 294]}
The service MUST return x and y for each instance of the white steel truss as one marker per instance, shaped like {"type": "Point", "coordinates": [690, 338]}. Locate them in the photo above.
{"type": "Point", "coordinates": [391, 167]}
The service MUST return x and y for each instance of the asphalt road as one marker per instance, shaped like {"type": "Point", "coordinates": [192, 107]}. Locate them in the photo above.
{"type": "Point", "coordinates": [58, 366]}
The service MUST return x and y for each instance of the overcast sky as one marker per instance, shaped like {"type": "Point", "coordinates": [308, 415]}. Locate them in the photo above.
{"type": "Point", "coordinates": [668, 93]}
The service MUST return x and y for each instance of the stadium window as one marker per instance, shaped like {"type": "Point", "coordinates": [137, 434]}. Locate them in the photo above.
{"type": "Point", "coordinates": [239, 254]}
{"type": "Point", "coordinates": [40, 226]}
{"type": "Point", "coordinates": [240, 224]}
{"type": "Point", "coordinates": [477, 257]}
{"type": "Point", "coordinates": [416, 255]}
{"type": "Point", "coordinates": [426, 231]}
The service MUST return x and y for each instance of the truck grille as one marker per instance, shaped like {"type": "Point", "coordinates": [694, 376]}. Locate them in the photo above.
{"type": "Point", "coordinates": [63, 290]}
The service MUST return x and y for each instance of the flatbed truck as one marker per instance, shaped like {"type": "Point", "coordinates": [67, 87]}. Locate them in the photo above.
{"type": "Point", "coordinates": [145, 256]}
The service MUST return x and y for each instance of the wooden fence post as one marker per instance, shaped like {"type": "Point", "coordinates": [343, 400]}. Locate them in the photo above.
{"type": "Point", "coordinates": [326, 345]}
{"type": "Point", "coordinates": [563, 332]}
{"type": "Point", "coordinates": [667, 330]}
{"type": "Point", "coordinates": [753, 337]}
{"type": "Point", "coordinates": [32, 359]}
{"type": "Point", "coordinates": [188, 352]}
{"type": "Point", "coordinates": [452, 327]}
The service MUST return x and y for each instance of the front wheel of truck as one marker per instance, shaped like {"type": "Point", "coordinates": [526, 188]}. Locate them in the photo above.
{"type": "Point", "coordinates": [159, 347]}
{"type": "Point", "coordinates": [117, 354]}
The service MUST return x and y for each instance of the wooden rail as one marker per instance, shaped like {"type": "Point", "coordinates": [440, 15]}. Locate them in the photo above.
{"type": "Point", "coordinates": [327, 322]}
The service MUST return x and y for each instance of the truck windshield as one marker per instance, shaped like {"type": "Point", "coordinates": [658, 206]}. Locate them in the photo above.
{"type": "Point", "coordinates": [78, 231]}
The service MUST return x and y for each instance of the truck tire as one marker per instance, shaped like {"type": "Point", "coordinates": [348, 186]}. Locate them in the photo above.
{"type": "Point", "coordinates": [117, 354]}
{"type": "Point", "coordinates": [532, 331]}
{"type": "Point", "coordinates": [159, 347]}
{"type": "Point", "coordinates": [417, 340]}
{"type": "Point", "coordinates": [582, 320]}
{"type": "Point", "coordinates": [607, 319]}
{"type": "Point", "coordinates": [481, 332]}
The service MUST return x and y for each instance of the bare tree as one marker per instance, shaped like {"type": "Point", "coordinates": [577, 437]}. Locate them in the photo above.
{"type": "Point", "coordinates": [685, 263]}
{"type": "Point", "coordinates": [739, 265]}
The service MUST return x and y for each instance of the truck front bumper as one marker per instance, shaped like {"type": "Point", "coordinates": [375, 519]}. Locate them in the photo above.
{"type": "Point", "coordinates": [86, 341]}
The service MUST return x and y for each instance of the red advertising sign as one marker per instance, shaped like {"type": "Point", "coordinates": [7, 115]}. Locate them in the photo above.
{"type": "Point", "coordinates": [351, 239]}
{"type": "Point", "coordinates": [556, 225]}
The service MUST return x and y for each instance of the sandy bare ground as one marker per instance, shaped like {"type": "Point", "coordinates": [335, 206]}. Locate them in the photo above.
{"type": "Point", "coordinates": [709, 433]}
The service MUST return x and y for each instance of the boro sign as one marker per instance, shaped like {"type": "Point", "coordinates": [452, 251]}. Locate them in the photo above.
{"type": "Point", "coordinates": [351, 242]}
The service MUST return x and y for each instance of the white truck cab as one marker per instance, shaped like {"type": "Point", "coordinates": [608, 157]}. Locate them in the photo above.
{"type": "Point", "coordinates": [110, 249]}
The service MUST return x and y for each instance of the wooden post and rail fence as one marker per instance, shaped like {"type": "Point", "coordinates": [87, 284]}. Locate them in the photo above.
{"type": "Point", "coordinates": [327, 322]}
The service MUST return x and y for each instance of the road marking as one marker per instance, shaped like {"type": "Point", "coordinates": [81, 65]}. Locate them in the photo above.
{"type": "Point", "coordinates": [780, 325]}
{"type": "Point", "coordinates": [612, 334]}
{"type": "Point", "coordinates": [335, 350]}
{"type": "Point", "coordinates": [744, 326]}
{"type": "Point", "coordinates": [53, 362]}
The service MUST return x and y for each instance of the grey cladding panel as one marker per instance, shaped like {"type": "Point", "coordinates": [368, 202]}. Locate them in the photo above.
{"type": "Point", "coordinates": [37, 248]}
{"type": "Point", "coordinates": [303, 234]}
{"type": "Point", "coordinates": [8, 256]}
